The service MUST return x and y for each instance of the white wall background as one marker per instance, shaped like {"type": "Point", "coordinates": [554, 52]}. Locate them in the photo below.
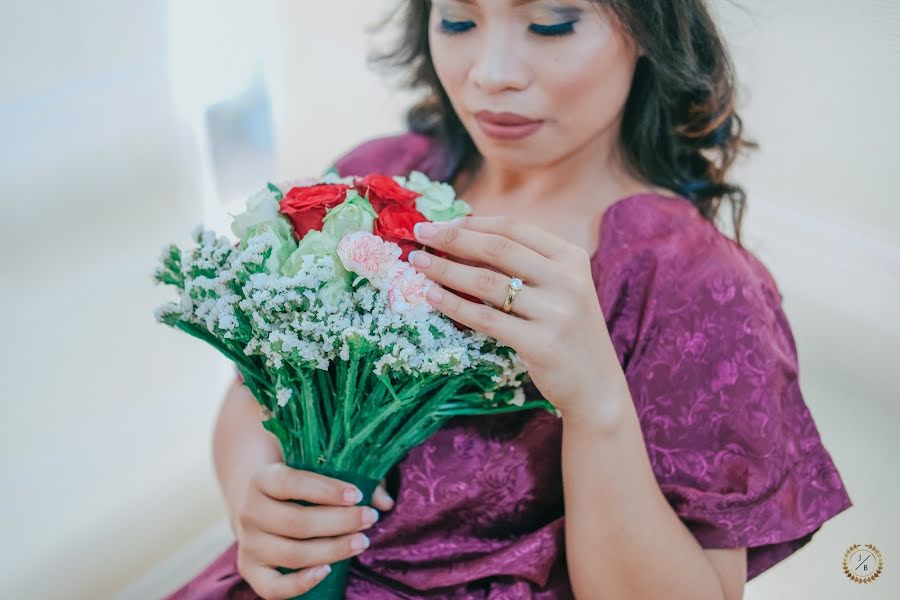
{"type": "Point", "coordinates": [105, 429]}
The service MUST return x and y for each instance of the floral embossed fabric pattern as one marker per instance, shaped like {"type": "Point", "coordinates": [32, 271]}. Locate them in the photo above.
{"type": "Point", "coordinates": [712, 368]}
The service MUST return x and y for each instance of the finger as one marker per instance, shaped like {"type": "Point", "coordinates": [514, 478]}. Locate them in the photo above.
{"type": "Point", "coordinates": [271, 584]}
{"type": "Point", "coordinates": [506, 328]}
{"type": "Point", "coordinates": [480, 282]}
{"type": "Point", "coordinates": [528, 234]}
{"type": "Point", "coordinates": [285, 552]}
{"type": "Point", "coordinates": [506, 255]}
{"type": "Point", "coordinates": [381, 499]}
{"type": "Point", "coordinates": [292, 520]}
{"type": "Point", "coordinates": [282, 482]}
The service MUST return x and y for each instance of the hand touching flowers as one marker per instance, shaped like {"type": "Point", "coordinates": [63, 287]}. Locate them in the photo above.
{"type": "Point", "coordinates": [555, 324]}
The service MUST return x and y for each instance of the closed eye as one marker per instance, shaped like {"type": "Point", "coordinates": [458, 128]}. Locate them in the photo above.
{"type": "Point", "coordinates": [453, 27]}
{"type": "Point", "coordinates": [551, 30]}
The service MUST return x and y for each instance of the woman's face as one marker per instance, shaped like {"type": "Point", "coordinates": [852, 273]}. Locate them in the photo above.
{"type": "Point", "coordinates": [563, 63]}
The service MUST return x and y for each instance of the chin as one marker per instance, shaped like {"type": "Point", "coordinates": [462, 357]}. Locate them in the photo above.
{"type": "Point", "coordinates": [518, 155]}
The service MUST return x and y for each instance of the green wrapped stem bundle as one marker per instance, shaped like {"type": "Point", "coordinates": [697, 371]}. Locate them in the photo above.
{"type": "Point", "coordinates": [334, 585]}
{"type": "Point", "coordinates": [353, 425]}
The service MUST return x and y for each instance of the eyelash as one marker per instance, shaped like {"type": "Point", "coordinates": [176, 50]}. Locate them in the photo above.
{"type": "Point", "coordinates": [457, 27]}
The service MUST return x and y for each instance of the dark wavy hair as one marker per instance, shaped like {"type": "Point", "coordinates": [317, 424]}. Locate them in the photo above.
{"type": "Point", "coordinates": [680, 129]}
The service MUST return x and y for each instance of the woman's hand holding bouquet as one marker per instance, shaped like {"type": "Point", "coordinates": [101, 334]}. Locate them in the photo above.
{"type": "Point", "coordinates": [271, 530]}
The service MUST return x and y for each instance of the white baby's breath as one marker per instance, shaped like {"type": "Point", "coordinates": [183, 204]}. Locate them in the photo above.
{"type": "Point", "coordinates": [518, 398]}
{"type": "Point", "coordinates": [287, 320]}
{"type": "Point", "coordinates": [282, 395]}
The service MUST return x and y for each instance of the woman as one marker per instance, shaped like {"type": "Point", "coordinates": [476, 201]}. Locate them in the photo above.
{"type": "Point", "coordinates": [592, 140]}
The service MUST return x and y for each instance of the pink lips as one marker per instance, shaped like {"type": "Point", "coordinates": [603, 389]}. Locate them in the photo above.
{"type": "Point", "coordinates": [506, 125]}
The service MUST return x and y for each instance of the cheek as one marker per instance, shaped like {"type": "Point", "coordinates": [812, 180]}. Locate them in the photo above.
{"type": "Point", "coordinates": [590, 81]}
{"type": "Point", "coordinates": [443, 64]}
{"type": "Point", "coordinates": [450, 60]}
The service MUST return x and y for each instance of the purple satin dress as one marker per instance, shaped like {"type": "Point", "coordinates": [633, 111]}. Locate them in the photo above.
{"type": "Point", "coordinates": [711, 363]}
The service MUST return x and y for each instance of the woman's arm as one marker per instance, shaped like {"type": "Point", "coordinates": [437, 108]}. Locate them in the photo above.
{"type": "Point", "coordinates": [623, 540]}
{"type": "Point", "coordinates": [240, 444]}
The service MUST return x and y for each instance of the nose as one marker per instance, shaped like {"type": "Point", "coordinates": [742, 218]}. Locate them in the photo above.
{"type": "Point", "coordinates": [499, 63]}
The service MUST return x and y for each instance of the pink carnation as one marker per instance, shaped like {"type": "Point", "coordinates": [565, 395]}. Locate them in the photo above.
{"type": "Point", "coordinates": [407, 290]}
{"type": "Point", "coordinates": [369, 256]}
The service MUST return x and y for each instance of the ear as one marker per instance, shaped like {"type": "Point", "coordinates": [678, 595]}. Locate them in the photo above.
{"type": "Point", "coordinates": [638, 48]}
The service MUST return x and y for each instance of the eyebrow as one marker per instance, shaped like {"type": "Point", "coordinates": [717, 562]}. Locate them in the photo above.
{"type": "Point", "coordinates": [564, 11]}
{"type": "Point", "coordinates": [515, 3]}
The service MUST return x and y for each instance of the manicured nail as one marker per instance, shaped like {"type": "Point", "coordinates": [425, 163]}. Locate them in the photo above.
{"type": "Point", "coordinates": [371, 515]}
{"type": "Point", "coordinates": [360, 543]}
{"type": "Point", "coordinates": [435, 294]}
{"type": "Point", "coordinates": [419, 258]}
{"type": "Point", "coordinates": [353, 495]}
{"type": "Point", "coordinates": [423, 230]}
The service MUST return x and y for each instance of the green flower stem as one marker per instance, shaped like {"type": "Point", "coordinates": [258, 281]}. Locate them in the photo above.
{"type": "Point", "coordinates": [311, 435]}
{"type": "Point", "coordinates": [349, 393]}
{"type": "Point", "coordinates": [292, 444]}
{"type": "Point", "coordinates": [375, 399]}
{"type": "Point", "coordinates": [417, 425]}
{"type": "Point", "coordinates": [368, 428]}
{"type": "Point", "coordinates": [324, 407]}
{"type": "Point", "coordinates": [382, 455]}
{"type": "Point", "coordinates": [317, 396]}
{"type": "Point", "coordinates": [362, 391]}
{"type": "Point", "coordinates": [443, 411]}
{"type": "Point", "coordinates": [335, 429]}
{"type": "Point", "coordinates": [411, 392]}
{"type": "Point", "coordinates": [327, 397]}
{"type": "Point", "coordinates": [350, 416]}
{"type": "Point", "coordinates": [342, 433]}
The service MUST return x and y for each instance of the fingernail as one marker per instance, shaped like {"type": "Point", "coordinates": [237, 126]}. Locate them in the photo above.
{"type": "Point", "coordinates": [323, 570]}
{"type": "Point", "coordinates": [371, 515]}
{"type": "Point", "coordinates": [424, 230]}
{"type": "Point", "coordinates": [419, 258]}
{"type": "Point", "coordinates": [359, 543]}
{"type": "Point", "coordinates": [434, 294]}
{"type": "Point", "coordinates": [353, 495]}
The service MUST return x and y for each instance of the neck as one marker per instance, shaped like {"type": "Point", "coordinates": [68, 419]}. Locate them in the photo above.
{"type": "Point", "coordinates": [593, 176]}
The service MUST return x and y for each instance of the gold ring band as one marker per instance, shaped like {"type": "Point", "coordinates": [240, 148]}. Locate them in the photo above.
{"type": "Point", "coordinates": [514, 285]}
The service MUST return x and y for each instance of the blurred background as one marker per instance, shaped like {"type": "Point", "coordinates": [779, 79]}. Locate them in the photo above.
{"type": "Point", "coordinates": [125, 124]}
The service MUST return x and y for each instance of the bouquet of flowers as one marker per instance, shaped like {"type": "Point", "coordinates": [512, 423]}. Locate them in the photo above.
{"type": "Point", "coordinates": [329, 326]}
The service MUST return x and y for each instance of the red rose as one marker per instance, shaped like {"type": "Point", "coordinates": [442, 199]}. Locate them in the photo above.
{"type": "Point", "coordinates": [382, 190]}
{"type": "Point", "coordinates": [395, 223]}
{"type": "Point", "coordinates": [305, 206]}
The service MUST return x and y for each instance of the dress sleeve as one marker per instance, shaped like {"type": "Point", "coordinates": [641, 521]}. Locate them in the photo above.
{"type": "Point", "coordinates": [732, 443]}
{"type": "Point", "coordinates": [393, 154]}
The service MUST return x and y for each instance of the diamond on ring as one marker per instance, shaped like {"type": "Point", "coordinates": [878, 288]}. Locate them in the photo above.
{"type": "Point", "coordinates": [515, 283]}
